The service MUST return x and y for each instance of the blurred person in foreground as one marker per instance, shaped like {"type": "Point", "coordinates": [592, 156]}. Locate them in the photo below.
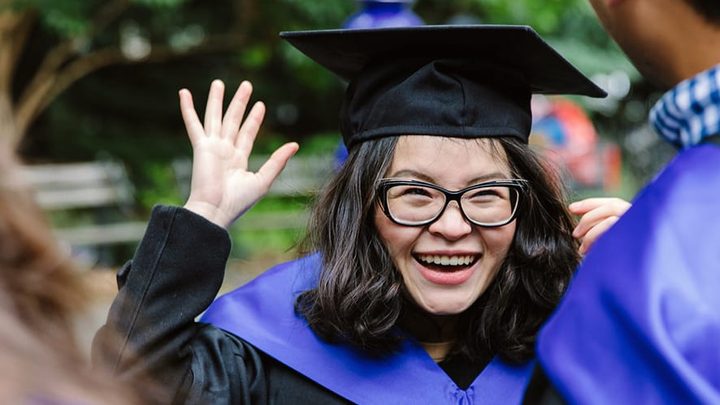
{"type": "Point", "coordinates": [41, 292]}
{"type": "Point", "coordinates": [640, 323]}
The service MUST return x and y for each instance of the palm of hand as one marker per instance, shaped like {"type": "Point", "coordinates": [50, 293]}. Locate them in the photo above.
{"type": "Point", "coordinates": [222, 188]}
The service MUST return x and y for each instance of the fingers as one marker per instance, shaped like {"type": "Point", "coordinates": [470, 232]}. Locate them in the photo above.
{"type": "Point", "coordinates": [224, 126]}
{"type": "Point", "coordinates": [235, 112]}
{"type": "Point", "coordinates": [189, 115]}
{"type": "Point", "coordinates": [596, 210]}
{"type": "Point", "coordinates": [594, 233]}
{"type": "Point", "coordinates": [277, 161]}
{"type": "Point", "coordinates": [249, 130]}
{"type": "Point", "coordinates": [583, 206]}
{"type": "Point", "coordinates": [213, 110]}
{"type": "Point", "coordinates": [598, 215]}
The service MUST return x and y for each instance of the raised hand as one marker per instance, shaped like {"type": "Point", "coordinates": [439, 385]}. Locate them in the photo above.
{"type": "Point", "coordinates": [597, 216]}
{"type": "Point", "coordinates": [222, 188]}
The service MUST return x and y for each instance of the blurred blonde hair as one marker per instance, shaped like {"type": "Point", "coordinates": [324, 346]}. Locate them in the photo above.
{"type": "Point", "coordinates": [38, 282]}
{"type": "Point", "coordinates": [41, 292]}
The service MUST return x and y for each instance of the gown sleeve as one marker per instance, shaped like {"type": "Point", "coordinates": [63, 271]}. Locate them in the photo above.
{"type": "Point", "coordinates": [151, 335]}
{"type": "Point", "coordinates": [640, 324]}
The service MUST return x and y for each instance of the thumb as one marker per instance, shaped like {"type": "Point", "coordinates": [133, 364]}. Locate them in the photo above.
{"type": "Point", "coordinates": [277, 161]}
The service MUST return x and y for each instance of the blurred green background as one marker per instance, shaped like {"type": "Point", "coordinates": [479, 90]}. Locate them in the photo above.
{"type": "Point", "coordinates": [83, 80]}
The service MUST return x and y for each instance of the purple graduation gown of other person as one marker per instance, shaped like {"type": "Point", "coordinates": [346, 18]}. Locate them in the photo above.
{"type": "Point", "coordinates": [262, 313]}
{"type": "Point", "coordinates": [640, 323]}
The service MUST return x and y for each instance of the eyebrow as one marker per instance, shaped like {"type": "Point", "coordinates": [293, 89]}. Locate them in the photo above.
{"type": "Point", "coordinates": [424, 177]}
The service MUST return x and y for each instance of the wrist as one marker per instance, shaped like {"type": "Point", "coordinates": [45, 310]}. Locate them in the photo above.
{"type": "Point", "coordinates": [207, 211]}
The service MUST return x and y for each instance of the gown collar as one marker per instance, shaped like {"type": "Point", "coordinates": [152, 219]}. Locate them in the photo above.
{"type": "Point", "coordinates": [262, 313]}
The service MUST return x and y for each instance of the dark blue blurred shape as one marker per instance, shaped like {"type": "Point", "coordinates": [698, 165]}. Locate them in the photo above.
{"type": "Point", "coordinates": [384, 13]}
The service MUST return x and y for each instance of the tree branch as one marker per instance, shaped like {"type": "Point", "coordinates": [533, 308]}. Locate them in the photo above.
{"type": "Point", "coordinates": [49, 71]}
{"type": "Point", "coordinates": [66, 50]}
{"type": "Point", "coordinates": [46, 89]}
{"type": "Point", "coordinates": [14, 30]}
{"type": "Point", "coordinates": [106, 16]}
{"type": "Point", "coordinates": [21, 33]}
{"type": "Point", "coordinates": [246, 12]}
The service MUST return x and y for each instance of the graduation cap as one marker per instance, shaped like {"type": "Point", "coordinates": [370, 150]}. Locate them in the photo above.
{"type": "Point", "coordinates": [458, 81]}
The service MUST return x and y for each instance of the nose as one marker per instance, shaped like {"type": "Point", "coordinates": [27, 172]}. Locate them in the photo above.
{"type": "Point", "coordinates": [451, 225]}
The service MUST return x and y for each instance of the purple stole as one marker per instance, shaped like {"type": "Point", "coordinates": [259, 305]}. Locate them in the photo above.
{"type": "Point", "coordinates": [640, 323]}
{"type": "Point", "coordinates": [261, 313]}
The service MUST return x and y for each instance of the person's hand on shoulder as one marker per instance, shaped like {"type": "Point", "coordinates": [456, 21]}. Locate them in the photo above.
{"type": "Point", "coordinates": [597, 215]}
{"type": "Point", "coordinates": [222, 187]}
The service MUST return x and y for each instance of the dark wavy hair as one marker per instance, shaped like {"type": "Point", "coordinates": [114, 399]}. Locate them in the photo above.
{"type": "Point", "coordinates": [359, 295]}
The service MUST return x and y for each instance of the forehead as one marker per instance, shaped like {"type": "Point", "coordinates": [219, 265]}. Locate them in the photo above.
{"type": "Point", "coordinates": [449, 161]}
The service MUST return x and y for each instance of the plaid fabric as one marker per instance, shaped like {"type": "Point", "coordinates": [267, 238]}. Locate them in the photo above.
{"type": "Point", "coordinates": [690, 111]}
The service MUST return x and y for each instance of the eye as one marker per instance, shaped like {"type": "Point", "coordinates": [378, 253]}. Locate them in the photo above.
{"type": "Point", "coordinates": [416, 191]}
{"type": "Point", "coordinates": [412, 194]}
{"type": "Point", "coordinates": [487, 195]}
{"type": "Point", "coordinates": [483, 193]}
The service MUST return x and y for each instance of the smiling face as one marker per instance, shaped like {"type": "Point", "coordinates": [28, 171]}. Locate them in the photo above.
{"type": "Point", "coordinates": [448, 264]}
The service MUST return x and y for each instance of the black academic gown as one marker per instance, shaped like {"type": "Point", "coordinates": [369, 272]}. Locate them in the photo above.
{"type": "Point", "coordinates": [151, 330]}
{"type": "Point", "coordinates": [173, 277]}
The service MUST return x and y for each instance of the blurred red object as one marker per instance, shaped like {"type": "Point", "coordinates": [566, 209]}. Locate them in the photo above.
{"type": "Point", "coordinates": [564, 132]}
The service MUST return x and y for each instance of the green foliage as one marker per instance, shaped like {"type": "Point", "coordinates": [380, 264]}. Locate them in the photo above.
{"type": "Point", "coordinates": [254, 243]}
{"type": "Point", "coordinates": [247, 242]}
{"type": "Point", "coordinates": [71, 18]}
{"type": "Point", "coordinates": [590, 60]}
{"type": "Point", "coordinates": [255, 56]}
{"type": "Point", "coordinates": [67, 17]}
{"type": "Point", "coordinates": [324, 143]}
{"type": "Point", "coordinates": [304, 14]}
{"type": "Point", "coordinates": [544, 16]}
{"type": "Point", "coordinates": [159, 186]}
{"type": "Point", "coordinates": [160, 4]}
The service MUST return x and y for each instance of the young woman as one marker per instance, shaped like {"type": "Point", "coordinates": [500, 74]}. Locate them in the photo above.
{"type": "Point", "coordinates": [433, 257]}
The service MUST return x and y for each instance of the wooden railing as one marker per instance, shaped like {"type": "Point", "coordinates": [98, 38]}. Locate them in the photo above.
{"type": "Point", "coordinates": [90, 186]}
{"type": "Point", "coordinates": [103, 187]}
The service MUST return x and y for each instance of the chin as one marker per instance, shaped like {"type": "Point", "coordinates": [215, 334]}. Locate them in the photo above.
{"type": "Point", "coordinates": [445, 307]}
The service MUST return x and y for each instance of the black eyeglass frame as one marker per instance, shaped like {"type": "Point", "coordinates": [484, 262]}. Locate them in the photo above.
{"type": "Point", "coordinates": [519, 185]}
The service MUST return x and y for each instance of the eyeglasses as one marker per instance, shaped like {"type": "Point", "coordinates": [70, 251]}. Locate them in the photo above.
{"type": "Point", "coordinates": [417, 203]}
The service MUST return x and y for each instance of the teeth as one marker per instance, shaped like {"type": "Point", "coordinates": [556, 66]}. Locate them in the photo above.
{"type": "Point", "coordinates": [447, 260]}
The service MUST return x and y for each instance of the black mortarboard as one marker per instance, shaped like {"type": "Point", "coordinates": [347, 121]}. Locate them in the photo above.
{"type": "Point", "coordinates": [458, 81]}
